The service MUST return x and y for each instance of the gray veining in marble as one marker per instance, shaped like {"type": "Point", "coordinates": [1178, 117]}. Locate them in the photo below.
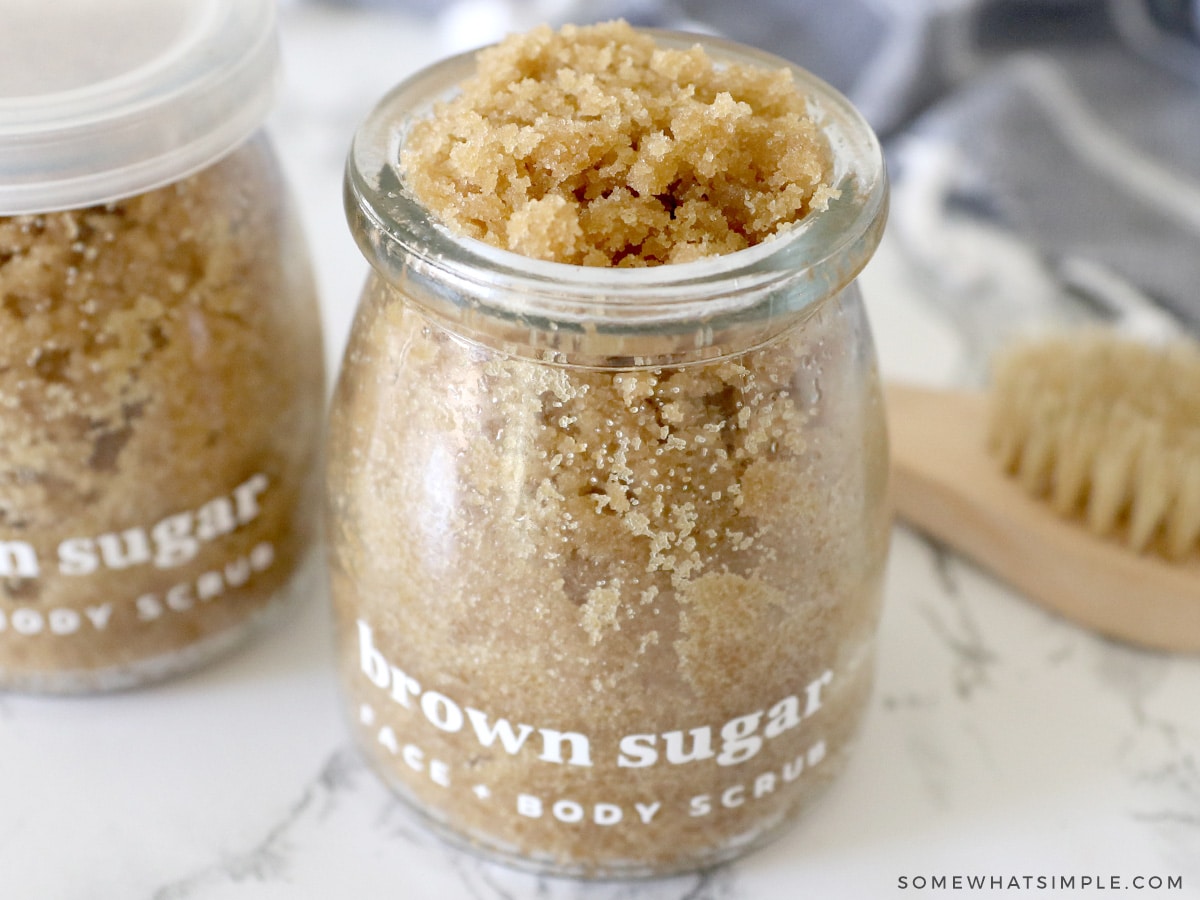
{"type": "Point", "coordinates": [345, 811]}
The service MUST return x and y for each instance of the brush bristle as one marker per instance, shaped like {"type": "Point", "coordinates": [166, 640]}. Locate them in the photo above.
{"type": "Point", "coordinates": [1105, 429]}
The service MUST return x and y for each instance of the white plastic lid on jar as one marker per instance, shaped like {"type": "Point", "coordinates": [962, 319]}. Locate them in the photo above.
{"type": "Point", "coordinates": [103, 99]}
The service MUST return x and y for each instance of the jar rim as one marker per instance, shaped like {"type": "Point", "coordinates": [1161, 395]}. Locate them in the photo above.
{"type": "Point", "coordinates": [817, 256]}
{"type": "Point", "coordinates": [127, 97]}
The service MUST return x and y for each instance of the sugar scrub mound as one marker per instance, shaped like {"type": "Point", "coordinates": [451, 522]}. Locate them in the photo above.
{"type": "Point", "coordinates": [594, 146]}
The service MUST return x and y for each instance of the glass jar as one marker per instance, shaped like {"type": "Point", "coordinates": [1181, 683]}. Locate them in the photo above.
{"type": "Point", "coordinates": [161, 382]}
{"type": "Point", "coordinates": [606, 544]}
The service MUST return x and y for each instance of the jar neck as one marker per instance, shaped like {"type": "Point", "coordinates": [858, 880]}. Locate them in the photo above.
{"type": "Point", "coordinates": [606, 316]}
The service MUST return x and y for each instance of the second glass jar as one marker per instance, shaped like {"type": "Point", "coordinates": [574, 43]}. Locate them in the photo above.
{"type": "Point", "coordinates": [161, 377]}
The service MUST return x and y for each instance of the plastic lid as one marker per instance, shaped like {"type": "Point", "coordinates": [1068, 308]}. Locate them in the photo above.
{"type": "Point", "coordinates": [102, 99]}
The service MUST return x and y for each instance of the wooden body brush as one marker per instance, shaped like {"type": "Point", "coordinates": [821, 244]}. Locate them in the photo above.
{"type": "Point", "coordinates": [1077, 480]}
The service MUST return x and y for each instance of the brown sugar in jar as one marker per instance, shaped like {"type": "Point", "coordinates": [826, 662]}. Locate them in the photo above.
{"type": "Point", "coordinates": [607, 459]}
{"type": "Point", "coordinates": [160, 405]}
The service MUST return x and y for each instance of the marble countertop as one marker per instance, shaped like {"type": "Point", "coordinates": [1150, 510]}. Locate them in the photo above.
{"type": "Point", "coordinates": [1001, 741]}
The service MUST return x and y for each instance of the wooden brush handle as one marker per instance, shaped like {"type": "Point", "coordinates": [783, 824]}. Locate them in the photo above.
{"type": "Point", "coordinates": [944, 483]}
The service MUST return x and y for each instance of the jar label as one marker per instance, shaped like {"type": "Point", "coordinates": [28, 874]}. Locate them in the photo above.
{"type": "Point", "coordinates": [433, 742]}
{"type": "Point", "coordinates": [102, 586]}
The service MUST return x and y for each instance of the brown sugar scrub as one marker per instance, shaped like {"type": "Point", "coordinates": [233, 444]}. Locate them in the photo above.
{"type": "Point", "coordinates": [596, 146]}
{"type": "Point", "coordinates": [161, 383]}
{"type": "Point", "coordinates": [158, 415]}
{"type": "Point", "coordinates": [606, 536]}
